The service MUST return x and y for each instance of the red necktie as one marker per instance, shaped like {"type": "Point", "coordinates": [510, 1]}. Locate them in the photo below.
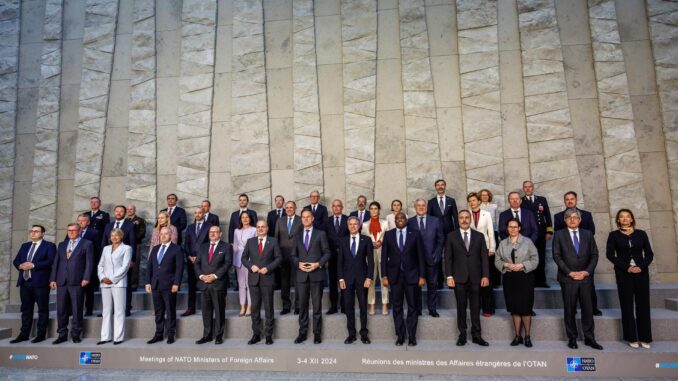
{"type": "Point", "coordinates": [209, 259]}
{"type": "Point", "coordinates": [261, 247]}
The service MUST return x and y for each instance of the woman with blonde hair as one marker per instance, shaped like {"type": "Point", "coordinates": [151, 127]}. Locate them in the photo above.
{"type": "Point", "coordinates": [162, 221]}
{"type": "Point", "coordinates": [112, 272]}
{"type": "Point", "coordinates": [375, 229]}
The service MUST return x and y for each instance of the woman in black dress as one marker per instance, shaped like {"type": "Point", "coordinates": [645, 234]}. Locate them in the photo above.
{"type": "Point", "coordinates": [629, 250]}
{"type": "Point", "coordinates": [517, 258]}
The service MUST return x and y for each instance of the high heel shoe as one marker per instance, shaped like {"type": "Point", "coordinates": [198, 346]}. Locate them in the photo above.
{"type": "Point", "coordinates": [516, 341]}
{"type": "Point", "coordinates": [371, 311]}
{"type": "Point", "coordinates": [384, 309]}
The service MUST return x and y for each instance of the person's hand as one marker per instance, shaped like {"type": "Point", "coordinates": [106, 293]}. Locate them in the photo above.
{"type": "Point", "coordinates": [342, 284]}
{"type": "Point", "coordinates": [52, 285]}
{"type": "Point", "coordinates": [384, 282]}
{"type": "Point", "coordinates": [263, 271]}
{"type": "Point", "coordinates": [484, 281]}
{"type": "Point", "coordinates": [491, 254]}
{"type": "Point", "coordinates": [573, 275]}
{"type": "Point", "coordinates": [367, 283]}
{"type": "Point", "coordinates": [450, 283]}
{"type": "Point", "coordinates": [192, 259]}
{"type": "Point", "coordinates": [518, 267]}
{"type": "Point", "coordinates": [315, 266]}
{"type": "Point", "coordinates": [377, 245]}
{"type": "Point", "coordinates": [584, 274]}
{"type": "Point", "coordinates": [421, 282]}
{"type": "Point", "coordinates": [255, 269]}
{"type": "Point", "coordinates": [302, 266]}
{"type": "Point", "coordinates": [175, 288]}
{"type": "Point", "coordinates": [148, 289]}
{"type": "Point", "coordinates": [637, 269]}
{"type": "Point", "coordinates": [84, 283]}
{"type": "Point", "coordinates": [548, 236]}
{"type": "Point", "coordinates": [106, 281]}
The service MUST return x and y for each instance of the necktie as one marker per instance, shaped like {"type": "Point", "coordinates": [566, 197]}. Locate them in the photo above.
{"type": "Point", "coordinates": [27, 273]}
{"type": "Point", "coordinates": [313, 209]}
{"type": "Point", "coordinates": [170, 211]}
{"type": "Point", "coordinates": [279, 213]}
{"type": "Point", "coordinates": [401, 240]}
{"type": "Point", "coordinates": [306, 239]}
{"type": "Point", "coordinates": [209, 259]}
{"type": "Point", "coordinates": [161, 253]}
{"type": "Point", "coordinates": [575, 240]}
{"type": "Point", "coordinates": [532, 199]}
{"type": "Point", "coordinates": [516, 215]}
{"type": "Point", "coordinates": [336, 223]}
{"type": "Point", "coordinates": [82, 235]}
{"type": "Point", "coordinates": [289, 226]}
{"type": "Point", "coordinates": [261, 247]}
{"type": "Point", "coordinates": [466, 241]}
{"type": "Point", "coordinates": [353, 248]}
{"type": "Point", "coordinates": [70, 250]}
{"type": "Point", "coordinates": [421, 224]}
{"type": "Point", "coordinates": [441, 204]}
{"type": "Point", "coordinates": [197, 228]}
{"type": "Point", "coordinates": [360, 216]}
{"type": "Point", "coordinates": [117, 224]}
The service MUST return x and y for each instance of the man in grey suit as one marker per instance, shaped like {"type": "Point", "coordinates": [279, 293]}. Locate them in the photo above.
{"type": "Point", "coordinates": [310, 255]}
{"type": "Point", "coordinates": [287, 229]}
{"type": "Point", "coordinates": [576, 254]}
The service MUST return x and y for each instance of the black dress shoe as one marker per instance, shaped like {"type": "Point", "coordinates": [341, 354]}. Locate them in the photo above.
{"type": "Point", "coordinates": [400, 341]}
{"type": "Point", "coordinates": [76, 339]}
{"type": "Point", "coordinates": [255, 339]}
{"type": "Point", "coordinates": [204, 340]}
{"type": "Point", "coordinates": [38, 339]}
{"type": "Point", "coordinates": [365, 340]}
{"type": "Point", "coordinates": [461, 341]}
{"type": "Point", "coordinates": [59, 340]}
{"type": "Point", "coordinates": [19, 339]}
{"type": "Point", "coordinates": [296, 311]}
{"type": "Point", "coordinates": [350, 340]}
{"type": "Point", "coordinates": [332, 311]}
{"type": "Point", "coordinates": [593, 344]}
{"type": "Point", "coordinates": [128, 313]}
{"type": "Point", "coordinates": [572, 344]}
{"type": "Point", "coordinates": [100, 315]}
{"type": "Point", "coordinates": [433, 313]}
{"type": "Point", "coordinates": [317, 339]}
{"type": "Point", "coordinates": [528, 342]}
{"type": "Point", "coordinates": [517, 341]}
{"type": "Point", "coordinates": [219, 340]}
{"type": "Point", "coordinates": [419, 313]}
{"type": "Point", "coordinates": [300, 339]}
{"type": "Point", "coordinates": [117, 342]}
{"type": "Point", "coordinates": [170, 340]}
{"type": "Point", "coordinates": [154, 340]}
{"type": "Point", "coordinates": [480, 341]}
{"type": "Point", "coordinates": [597, 313]}
{"type": "Point", "coordinates": [102, 342]}
{"type": "Point", "coordinates": [532, 313]}
{"type": "Point", "coordinates": [285, 311]}
{"type": "Point", "coordinates": [188, 312]}
{"type": "Point", "coordinates": [86, 314]}
{"type": "Point", "coordinates": [269, 340]}
{"type": "Point", "coordinates": [412, 342]}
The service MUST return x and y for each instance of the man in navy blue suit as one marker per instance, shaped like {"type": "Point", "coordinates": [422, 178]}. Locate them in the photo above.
{"type": "Point", "coordinates": [433, 242]}
{"type": "Point", "coordinates": [525, 216]}
{"type": "Point", "coordinates": [210, 217]}
{"type": "Point", "coordinates": [355, 271]}
{"type": "Point", "coordinates": [444, 208]}
{"type": "Point", "coordinates": [92, 235]}
{"type": "Point", "coordinates": [34, 262]}
{"type": "Point", "coordinates": [164, 271]}
{"type": "Point", "coordinates": [336, 229]}
{"type": "Point", "coordinates": [320, 216]}
{"type": "Point", "coordinates": [402, 269]}
{"type": "Point", "coordinates": [197, 234]}
{"type": "Point", "coordinates": [362, 213]}
{"type": "Point", "coordinates": [129, 238]}
{"type": "Point", "coordinates": [272, 219]}
{"type": "Point", "coordinates": [234, 223]}
{"type": "Point", "coordinates": [71, 273]}
{"type": "Point", "coordinates": [177, 215]}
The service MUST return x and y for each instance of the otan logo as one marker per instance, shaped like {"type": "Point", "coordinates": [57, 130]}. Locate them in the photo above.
{"type": "Point", "coordinates": [90, 358]}
{"type": "Point", "coordinates": [22, 357]}
{"type": "Point", "coordinates": [581, 364]}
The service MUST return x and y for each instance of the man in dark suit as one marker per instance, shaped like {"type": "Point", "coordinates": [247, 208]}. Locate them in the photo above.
{"type": "Point", "coordinates": [197, 234]}
{"type": "Point", "coordinates": [94, 237]}
{"type": "Point", "coordinates": [98, 218]}
{"type": "Point", "coordinates": [71, 273]}
{"type": "Point", "coordinates": [337, 229]}
{"type": "Point", "coordinates": [443, 207]}
{"type": "Point", "coordinates": [467, 269]}
{"type": "Point", "coordinates": [128, 228]}
{"type": "Point", "coordinates": [211, 268]}
{"type": "Point", "coordinates": [362, 213]}
{"type": "Point", "coordinates": [34, 262]}
{"type": "Point", "coordinates": [320, 216]}
{"type": "Point", "coordinates": [139, 235]}
{"type": "Point", "coordinates": [210, 217]}
{"type": "Point", "coordinates": [287, 231]}
{"type": "Point", "coordinates": [164, 271]}
{"type": "Point", "coordinates": [403, 271]}
{"type": "Point", "coordinates": [433, 242]}
{"type": "Point", "coordinates": [576, 254]}
{"type": "Point", "coordinates": [540, 207]}
{"type": "Point", "coordinates": [309, 257]}
{"type": "Point", "coordinates": [261, 256]}
{"type": "Point", "coordinates": [525, 216]}
{"type": "Point", "coordinates": [177, 216]}
{"type": "Point", "coordinates": [355, 272]}
{"type": "Point", "coordinates": [274, 215]}
{"type": "Point", "coordinates": [234, 223]}
{"type": "Point", "coordinates": [570, 200]}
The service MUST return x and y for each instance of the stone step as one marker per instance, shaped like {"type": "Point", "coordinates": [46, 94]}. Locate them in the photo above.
{"type": "Point", "coordinates": [671, 303]}
{"type": "Point", "coordinates": [547, 325]}
{"type": "Point", "coordinates": [5, 333]}
{"type": "Point", "coordinates": [550, 298]}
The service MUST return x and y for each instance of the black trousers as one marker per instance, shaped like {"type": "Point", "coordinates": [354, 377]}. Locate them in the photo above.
{"type": "Point", "coordinates": [262, 295]}
{"type": "Point", "coordinates": [574, 292]}
{"type": "Point", "coordinates": [29, 297]}
{"type": "Point", "coordinates": [634, 291]}
{"type": "Point", "coordinates": [192, 285]}
{"type": "Point", "coordinates": [314, 290]}
{"type": "Point", "coordinates": [487, 299]}
{"type": "Point", "coordinates": [495, 275]}
{"type": "Point", "coordinates": [165, 306]}
{"type": "Point", "coordinates": [288, 277]}
{"type": "Point", "coordinates": [431, 287]}
{"type": "Point", "coordinates": [401, 292]}
{"type": "Point", "coordinates": [353, 291]}
{"type": "Point", "coordinates": [73, 297]}
{"type": "Point", "coordinates": [213, 312]}
{"type": "Point", "coordinates": [540, 271]}
{"type": "Point", "coordinates": [333, 281]}
{"type": "Point", "coordinates": [468, 293]}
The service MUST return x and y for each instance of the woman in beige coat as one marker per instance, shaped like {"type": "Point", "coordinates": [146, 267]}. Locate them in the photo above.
{"type": "Point", "coordinates": [375, 229]}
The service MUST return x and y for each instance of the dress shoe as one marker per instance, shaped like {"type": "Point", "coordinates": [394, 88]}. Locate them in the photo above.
{"type": "Point", "coordinates": [285, 311]}
{"type": "Point", "coordinates": [219, 340]}
{"type": "Point", "coordinates": [188, 312]}
{"type": "Point", "coordinates": [350, 340]}
{"type": "Point", "coordinates": [76, 339]}
{"type": "Point", "coordinates": [296, 311]}
{"type": "Point", "coordinates": [480, 341]}
{"type": "Point", "coordinates": [300, 339]}
{"type": "Point", "coordinates": [19, 339]}
{"type": "Point", "coordinates": [86, 314]}
{"type": "Point", "coordinates": [269, 340]}
{"type": "Point", "coordinates": [593, 344]}
{"type": "Point", "coordinates": [102, 342]}
{"type": "Point", "coordinates": [255, 339]}
{"type": "Point", "coordinates": [332, 311]}
{"type": "Point", "coordinates": [204, 340]}
{"type": "Point", "coordinates": [528, 342]}
{"type": "Point", "coordinates": [117, 342]}
{"type": "Point", "coordinates": [517, 341]}
{"type": "Point", "coordinates": [59, 340]}
{"type": "Point", "coordinates": [126, 314]}
{"type": "Point", "coordinates": [532, 313]}
{"type": "Point", "coordinates": [365, 340]}
{"type": "Point", "coordinates": [487, 315]}
{"type": "Point", "coordinates": [400, 341]}
{"type": "Point", "coordinates": [38, 339]}
{"type": "Point", "coordinates": [419, 313]}
{"type": "Point", "coordinates": [317, 339]}
{"type": "Point", "coordinates": [597, 313]}
{"type": "Point", "coordinates": [461, 341]}
{"type": "Point", "coordinates": [572, 344]}
{"type": "Point", "coordinates": [645, 345]}
{"type": "Point", "coordinates": [433, 313]}
{"type": "Point", "coordinates": [170, 340]}
{"type": "Point", "coordinates": [154, 340]}
{"type": "Point", "coordinates": [412, 342]}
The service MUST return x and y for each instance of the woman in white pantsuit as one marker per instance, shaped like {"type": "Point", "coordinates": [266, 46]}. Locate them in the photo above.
{"type": "Point", "coordinates": [112, 271]}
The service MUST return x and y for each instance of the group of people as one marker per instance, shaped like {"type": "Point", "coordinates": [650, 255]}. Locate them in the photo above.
{"type": "Point", "coordinates": [472, 251]}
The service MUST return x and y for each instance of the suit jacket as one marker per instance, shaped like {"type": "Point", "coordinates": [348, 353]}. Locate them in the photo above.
{"type": "Point", "coordinates": [129, 239]}
{"type": "Point", "coordinates": [194, 241]}
{"type": "Point", "coordinates": [287, 241]}
{"type": "Point", "coordinates": [464, 265]}
{"type": "Point", "coordinates": [356, 269]}
{"type": "Point", "coordinates": [432, 238]}
{"type": "Point", "coordinates": [366, 215]}
{"type": "Point", "coordinates": [70, 272]}
{"type": "Point", "coordinates": [222, 259]}
{"type": "Point", "coordinates": [98, 221]}
{"type": "Point", "coordinates": [334, 236]}
{"type": "Point", "coordinates": [586, 221]}
{"type": "Point", "coordinates": [139, 228]}
{"type": "Point", "coordinates": [43, 258]}
{"type": "Point", "coordinates": [114, 267]}
{"type": "Point", "coordinates": [178, 219]}
{"type": "Point", "coordinates": [93, 236]}
{"type": "Point", "coordinates": [270, 258]}
{"type": "Point", "coordinates": [566, 257]}
{"type": "Point", "coordinates": [411, 258]}
{"type": "Point", "coordinates": [272, 220]}
{"type": "Point", "coordinates": [234, 223]}
{"type": "Point", "coordinates": [162, 276]}
{"type": "Point", "coordinates": [213, 219]}
{"type": "Point", "coordinates": [485, 226]}
{"type": "Point", "coordinates": [527, 220]}
{"type": "Point", "coordinates": [318, 251]}
{"type": "Point", "coordinates": [542, 213]}
{"type": "Point", "coordinates": [448, 217]}
{"type": "Point", "coordinates": [320, 217]}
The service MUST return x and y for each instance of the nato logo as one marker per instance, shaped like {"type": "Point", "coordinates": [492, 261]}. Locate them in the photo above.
{"type": "Point", "coordinates": [90, 358]}
{"type": "Point", "coordinates": [581, 364]}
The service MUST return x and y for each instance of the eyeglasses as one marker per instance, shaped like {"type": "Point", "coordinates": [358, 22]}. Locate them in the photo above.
{"type": "Point", "coordinates": [573, 217]}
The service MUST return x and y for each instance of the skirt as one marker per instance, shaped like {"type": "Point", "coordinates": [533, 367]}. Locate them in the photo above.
{"type": "Point", "coordinates": [519, 292]}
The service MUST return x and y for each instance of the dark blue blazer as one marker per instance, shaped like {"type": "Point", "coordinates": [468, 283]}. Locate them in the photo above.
{"type": "Point", "coordinates": [179, 220]}
{"type": "Point", "coordinates": [449, 217]}
{"type": "Point", "coordinates": [334, 236]}
{"type": "Point", "coordinates": [94, 236]}
{"type": "Point", "coordinates": [320, 217]}
{"type": "Point", "coordinates": [359, 268]}
{"type": "Point", "coordinates": [99, 221]}
{"type": "Point", "coordinates": [586, 221]}
{"type": "Point", "coordinates": [366, 216]}
{"type": "Point", "coordinates": [318, 251]}
{"type": "Point", "coordinates": [432, 238]}
{"type": "Point", "coordinates": [272, 220]}
{"type": "Point", "coordinates": [234, 223]}
{"type": "Point", "coordinates": [43, 258]}
{"type": "Point", "coordinates": [411, 258]}
{"type": "Point", "coordinates": [168, 273]}
{"type": "Point", "coordinates": [129, 238]}
{"type": "Point", "coordinates": [528, 222]}
{"type": "Point", "coordinates": [193, 242]}
{"type": "Point", "coordinates": [71, 272]}
{"type": "Point", "coordinates": [213, 219]}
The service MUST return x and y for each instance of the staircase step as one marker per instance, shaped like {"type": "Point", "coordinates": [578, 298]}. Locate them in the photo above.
{"type": "Point", "coordinates": [671, 304]}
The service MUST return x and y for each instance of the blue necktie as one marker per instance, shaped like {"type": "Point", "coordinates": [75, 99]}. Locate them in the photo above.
{"type": "Point", "coordinates": [421, 224]}
{"type": "Point", "coordinates": [575, 239]}
{"type": "Point", "coordinates": [401, 240]}
{"type": "Point", "coordinates": [289, 226]}
{"type": "Point", "coordinates": [353, 248]}
{"type": "Point", "coordinates": [306, 239]}
{"type": "Point", "coordinates": [161, 253]}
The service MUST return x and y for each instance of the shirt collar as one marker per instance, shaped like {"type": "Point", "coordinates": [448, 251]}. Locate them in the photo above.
{"type": "Point", "coordinates": [465, 231]}
{"type": "Point", "coordinates": [573, 230]}
{"type": "Point", "coordinates": [37, 243]}
{"type": "Point", "coordinates": [356, 235]}
{"type": "Point", "coordinates": [515, 210]}
{"type": "Point", "coordinates": [404, 230]}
